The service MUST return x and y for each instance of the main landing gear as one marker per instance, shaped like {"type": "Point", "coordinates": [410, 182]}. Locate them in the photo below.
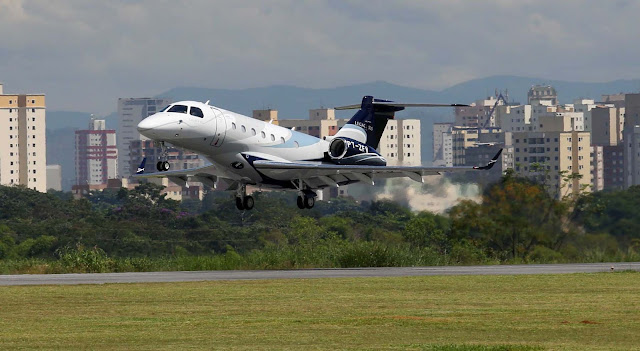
{"type": "Point", "coordinates": [306, 197]}
{"type": "Point", "coordinates": [163, 165]}
{"type": "Point", "coordinates": [244, 201]}
{"type": "Point", "coordinates": [306, 200]}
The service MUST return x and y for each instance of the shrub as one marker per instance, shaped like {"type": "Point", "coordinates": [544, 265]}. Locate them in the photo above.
{"type": "Point", "coordinates": [83, 260]}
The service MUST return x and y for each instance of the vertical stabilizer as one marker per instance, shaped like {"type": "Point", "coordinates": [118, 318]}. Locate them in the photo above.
{"type": "Point", "coordinates": [368, 124]}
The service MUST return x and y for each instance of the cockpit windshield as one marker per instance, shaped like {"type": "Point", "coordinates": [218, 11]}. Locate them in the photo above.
{"type": "Point", "coordinates": [165, 108]}
{"type": "Point", "coordinates": [178, 109]}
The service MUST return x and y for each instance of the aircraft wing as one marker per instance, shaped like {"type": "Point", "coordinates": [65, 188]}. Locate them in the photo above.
{"type": "Point", "coordinates": [321, 174]}
{"type": "Point", "coordinates": [208, 175]}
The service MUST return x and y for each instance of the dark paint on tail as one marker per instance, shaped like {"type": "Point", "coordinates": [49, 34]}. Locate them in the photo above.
{"type": "Point", "coordinates": [373, 118]}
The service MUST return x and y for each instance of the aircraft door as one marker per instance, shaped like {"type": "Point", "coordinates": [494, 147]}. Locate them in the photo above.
{"type": "Point", "coordinates": [221, 129]}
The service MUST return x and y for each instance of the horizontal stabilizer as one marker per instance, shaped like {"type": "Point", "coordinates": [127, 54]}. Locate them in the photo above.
{"type": "Point", "coordinates": [399, 104]}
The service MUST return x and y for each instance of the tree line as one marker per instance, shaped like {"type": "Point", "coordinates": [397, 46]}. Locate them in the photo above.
{"type": "Point", "coordinates": [517, 221]}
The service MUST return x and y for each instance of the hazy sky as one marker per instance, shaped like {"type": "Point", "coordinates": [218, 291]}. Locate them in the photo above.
{"type": "Point", "coordinates": [86, 54]}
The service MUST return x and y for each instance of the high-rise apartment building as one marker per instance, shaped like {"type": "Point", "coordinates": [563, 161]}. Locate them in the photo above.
{"type": "Point", "coordinates": [478, 114]}
{"type": "Point", "coordinates": [597, 168]}
{"type": "Point", "coordinates": [553, 152]}
{"type": "Point", "coordinates": [96, 154]}
{"type": "Point", "coordinates": [442, 144]}
{"type": "Point", "coordinates": [401, 142]}
{"type": "Point", "coordinates": [539, 93]}
{"type": "Point", "coordinates": [606, 132]}
{"type": "Point", "coordinates": [130, 112]}
{"type": "Point", "coordinates": [631, 137]}
{"type": "Point", "coordinates": [22, 134]}
{"type": "Point", "coordinates": [54, 177]}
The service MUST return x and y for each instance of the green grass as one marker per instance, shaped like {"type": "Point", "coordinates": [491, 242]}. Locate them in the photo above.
{"type": "Point", "coordinates": [453, 313]}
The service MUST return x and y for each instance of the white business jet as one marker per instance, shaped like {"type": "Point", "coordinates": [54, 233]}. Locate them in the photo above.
{"type": "Point", "coordinates": [245, 151]}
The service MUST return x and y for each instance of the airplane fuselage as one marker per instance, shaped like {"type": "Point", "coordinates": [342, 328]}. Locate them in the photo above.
{"type": "Point", "coordinates": [232, 141]}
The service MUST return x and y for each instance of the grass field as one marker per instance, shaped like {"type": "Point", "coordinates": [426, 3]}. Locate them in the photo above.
{"type": "Point", "coordinates": [572, 312]}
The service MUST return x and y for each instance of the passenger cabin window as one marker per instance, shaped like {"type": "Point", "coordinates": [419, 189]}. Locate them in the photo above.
{"type": "Point", "coordinates": [244, 129]}
{"type": "Point", "coordinates": [253, 131]}
{"type": "Point", "coordinates": [194, 111]}
{"type": "Point", "coordinates": [178, 109]}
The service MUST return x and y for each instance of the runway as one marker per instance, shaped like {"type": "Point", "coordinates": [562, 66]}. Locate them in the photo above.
{"type": "Point", "coordinates": [164, 277]}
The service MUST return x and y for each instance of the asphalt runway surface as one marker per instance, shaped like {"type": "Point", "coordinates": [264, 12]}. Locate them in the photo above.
{"type": "Point", "coordinates": [164, 277]}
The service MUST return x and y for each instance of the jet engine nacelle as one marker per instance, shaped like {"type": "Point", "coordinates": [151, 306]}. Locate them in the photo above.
{"type": "Point", "coordinates": [346, 151]}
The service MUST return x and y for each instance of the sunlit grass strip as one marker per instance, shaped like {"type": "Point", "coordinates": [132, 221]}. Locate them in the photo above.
{"type": "Point", "coordinates": [573, 312]}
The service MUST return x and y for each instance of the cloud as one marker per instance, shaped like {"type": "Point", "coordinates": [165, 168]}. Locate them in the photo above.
{"type": "Point", "coordinates": [86, 54]}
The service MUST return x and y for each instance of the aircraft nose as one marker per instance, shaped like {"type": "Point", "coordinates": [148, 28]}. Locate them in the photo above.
{"type": "Point", "coordinates": [146, 124]}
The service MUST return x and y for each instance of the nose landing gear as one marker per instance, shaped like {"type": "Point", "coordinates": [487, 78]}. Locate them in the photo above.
{"type": "Point", "coordinates": [163, 165]}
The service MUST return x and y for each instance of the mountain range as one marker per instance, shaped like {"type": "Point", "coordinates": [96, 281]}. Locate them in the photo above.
{"type": "Point", "coordinates": [294, 102]}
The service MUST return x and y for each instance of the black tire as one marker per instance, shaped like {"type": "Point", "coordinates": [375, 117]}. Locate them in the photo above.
{"type": "Point", "coordinates": [239, 204]}
{"type": "Point", "coordinates": [248, 202]}
{"type": "Point", "coordinates": [309, 201]}
{"type": "Point", "coordinates": [300, 202]}
{"type": "Point", "coordinates": [159, 166]}
{"type": "Point", "coordinates": [166, 166]}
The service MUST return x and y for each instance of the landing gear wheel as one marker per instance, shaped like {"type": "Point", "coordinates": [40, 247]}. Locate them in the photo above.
{"type": "Point", "coordinates": [163, 166]}
{"type": "Point", "coordinates": [248, 202]}
{"type": "Point", "coordinates": [239, 204]}
{"type": "Point", "coordinates": [309, 201]}
{"type": "Point", "coordinates": [300, 202]}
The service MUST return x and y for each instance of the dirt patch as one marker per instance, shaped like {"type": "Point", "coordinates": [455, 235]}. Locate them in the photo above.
{"type": "Point", "coordinates": [588, 322]}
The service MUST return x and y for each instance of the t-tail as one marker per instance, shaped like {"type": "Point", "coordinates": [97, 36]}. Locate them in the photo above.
{"type": "Point", "coordinates": [368, 124]}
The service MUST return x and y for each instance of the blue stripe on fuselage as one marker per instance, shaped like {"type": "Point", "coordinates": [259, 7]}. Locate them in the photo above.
{"type": "Point", "coordinates": [301, 138]}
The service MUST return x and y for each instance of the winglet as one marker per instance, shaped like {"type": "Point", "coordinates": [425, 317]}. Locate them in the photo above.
{"type": "Point", "coordinates": [141, 167]}
{"type": "Point", "coordinates": [491, 163]}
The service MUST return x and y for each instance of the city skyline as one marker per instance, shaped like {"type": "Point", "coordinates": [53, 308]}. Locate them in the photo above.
{"type": "Point", "coordinates": [86, 55]}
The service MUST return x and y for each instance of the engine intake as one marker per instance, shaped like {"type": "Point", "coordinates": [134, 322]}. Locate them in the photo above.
{"type": "Point", "coordinates": [346, 151]}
